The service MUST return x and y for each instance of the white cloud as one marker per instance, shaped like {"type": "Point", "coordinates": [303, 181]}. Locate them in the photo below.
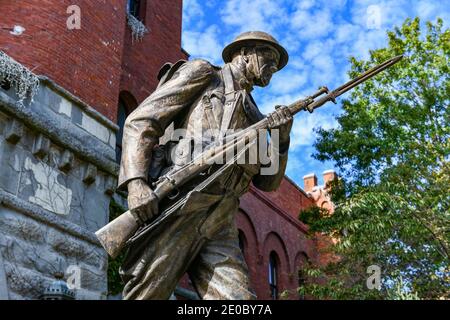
{"type": "Point", "coordinates": [312, 25]}
{"type": "Point", "coordinates": [211, 3]}
{"type": "Point", "coordinates": [192, 11]}
{"type": "Point", "coordinates": [303, 130]}
{"type": "Point", "coordinates": [268, 100]}
{"type": "Point", "coordinates": [312, 50]}
{"type": "Point", "coordinates": [305, 5]}
{"type": "Point", "coordinates": [296, 62]}
{"type": "Point", "coordinates": [429, 10]}
{"type": "Point", "coordinates": [261, 15]}
{"type": "Point", "coordinates": [204, 44]}
{"type": "Point", "coordinates": [334, 5]}
{"type": "Point", "coordinates": [288, 81]}
{"type": "Point", "coordinates": [294, 165]}
{"type": "Point", "coordinates": [301, 163]}
{"type": "Point", "coordinates": [343, 32]}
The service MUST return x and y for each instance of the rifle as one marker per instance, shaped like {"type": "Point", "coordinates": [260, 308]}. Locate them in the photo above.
{"type": "Point", "coordinates": [117, 234]}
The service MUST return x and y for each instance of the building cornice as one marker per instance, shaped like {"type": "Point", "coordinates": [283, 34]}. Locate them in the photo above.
{"type": "Point", "coordinates": [297, 187]}
{"type": "Point", "coordinates": [63, 133]}
{"type": "Point", "coordinates": [49, 218]}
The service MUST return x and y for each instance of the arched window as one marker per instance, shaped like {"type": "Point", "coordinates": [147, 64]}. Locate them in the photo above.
{"type": "Point", "coordinates": [273, 275]}
{"type": "Point", "coordinates": [242, 241]}
{"type": "Point", "coordinates": [127, 103]}
{"type": "Point", "coordinates": [136, 8]}
{"type": "Point", "coordinates": [121, 117]}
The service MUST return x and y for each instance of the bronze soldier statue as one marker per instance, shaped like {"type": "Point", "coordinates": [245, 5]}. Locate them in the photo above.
{"type": "Point", "coordinates": [181, 216]}
{"type": "Point", "coordinates": [201, 238]}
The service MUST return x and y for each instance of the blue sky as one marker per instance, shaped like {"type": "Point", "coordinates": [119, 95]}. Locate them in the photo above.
{"type": "Point", "coordinates": [319, 35]}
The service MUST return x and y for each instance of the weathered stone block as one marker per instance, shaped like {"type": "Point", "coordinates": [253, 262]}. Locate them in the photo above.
{"type": "Point", "coordinates": [89, 295]}
{"type": "Point", "coordinates": [93, 279]}
{"type": "Point", "coordinates": [76, 115]}
{"type": "Point", "coordinates": [3, 121]}
{"type": "Point", "coordinates": [48, 98]}
{"type": "Point", "coordinates": [77, 170]}
{"type": "Point", "coordinates": [65, 107]}
{"type": "Point", "coordinates": [41, 146]}
{"type": "Point", "coordinates": [11, 159]}
{"type": "Point", "coordinates": [97, 258]}
{"type": "Point", "coordinates": [26, 282]}
{"type": "Point", "coordinates": [66, 244]}
{"type": "Point", "coordinates": [33, 256]}
{"type": "Point", "coordinates": [44, 166]}
{"type": "Point", "coordinates": [66, 161]}
{"type": "Point", "coordinates": [95, 128]}
{"type": "Point", "coordinates": [3, 284]}
{"type": "Point", "coordinates": [89, 207]}
{"type": "Point", "coordinates": [14, 131]}
{"type": "Point", "coordinates": [75, 248]}
{"type": "Point", "coordinates": [110, 185]}
{"type": "Point", "coordinates": [15, 296]}
{"type": "Point", "coordinates": [41, 96]}
{"type": "Point", "coordinates": [89, 174]}
{"type": "Point", "coordinates": [112, 140]}
{"type": "Point", "coordinates": [45, 186]}
{"type": "Point", "coordinates": [28, 140]}
{"type": "Point", "coordinates": [17, 225]}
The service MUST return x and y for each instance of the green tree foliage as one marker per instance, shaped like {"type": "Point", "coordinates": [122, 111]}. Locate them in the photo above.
{"type": "Point", "coordinates": [392, 151]}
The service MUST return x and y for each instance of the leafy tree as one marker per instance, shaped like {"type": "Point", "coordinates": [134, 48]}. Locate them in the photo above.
{"type": "Point", "coordinates": [392, 151]}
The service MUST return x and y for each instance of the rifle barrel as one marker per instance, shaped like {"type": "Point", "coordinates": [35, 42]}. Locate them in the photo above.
{"type": "Point", "coordinates": [352, 83]}
{"type": "Point", "coordinates": [366, 75]}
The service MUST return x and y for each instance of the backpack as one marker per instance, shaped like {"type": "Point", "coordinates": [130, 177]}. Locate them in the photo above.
{"type": "Point", "coordinates": [161, 151]}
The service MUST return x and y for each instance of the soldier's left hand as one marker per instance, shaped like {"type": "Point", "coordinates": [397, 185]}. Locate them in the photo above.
{"type": "Point", "coordinates": [282, 120]}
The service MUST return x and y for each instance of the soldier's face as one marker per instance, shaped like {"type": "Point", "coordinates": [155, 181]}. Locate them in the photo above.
{"type": "Point", "coordinates": [267, 61]}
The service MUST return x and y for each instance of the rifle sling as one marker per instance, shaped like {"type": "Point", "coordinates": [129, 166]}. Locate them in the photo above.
{"type": "Point", "coordinates": [178, 204]}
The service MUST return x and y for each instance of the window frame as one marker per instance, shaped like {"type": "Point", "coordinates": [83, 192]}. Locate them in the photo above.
{"type": "Point", "coordinates": [120, 123]}
{"type": "Point", "coordinates": [274, 267]}
{"type": "Point", "coordinates": [139, 9]}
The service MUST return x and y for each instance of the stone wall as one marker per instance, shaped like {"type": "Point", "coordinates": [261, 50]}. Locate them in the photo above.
{"type": "Point", "coordinates": [57, 176]}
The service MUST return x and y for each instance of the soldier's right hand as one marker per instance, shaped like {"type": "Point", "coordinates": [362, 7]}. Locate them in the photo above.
{"type": "Point", "coordinates": [142, 201]}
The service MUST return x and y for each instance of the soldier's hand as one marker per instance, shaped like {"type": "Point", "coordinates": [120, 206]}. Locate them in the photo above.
{"type": "Point", "coordinates": [282, 120]}
{"type": "Point", "coordinates": [142, 201]}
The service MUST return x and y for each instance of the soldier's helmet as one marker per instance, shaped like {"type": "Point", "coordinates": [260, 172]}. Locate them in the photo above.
{"type": "Point", "coordinates": [250, 38]}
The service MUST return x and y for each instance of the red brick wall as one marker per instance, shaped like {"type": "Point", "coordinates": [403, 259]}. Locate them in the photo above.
{"type": "Point", "coordinates": [290, 197]}
{"type": "Point", "coordinates": [269, 223]}
{"type": "Point", "coordinates": [88, 62]}
{"type": "Point", "coordinates": [143, 59]}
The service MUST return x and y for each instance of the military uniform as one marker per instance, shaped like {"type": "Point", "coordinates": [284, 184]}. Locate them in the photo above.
{"type": "Point", "coordinates": [201, 238]}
